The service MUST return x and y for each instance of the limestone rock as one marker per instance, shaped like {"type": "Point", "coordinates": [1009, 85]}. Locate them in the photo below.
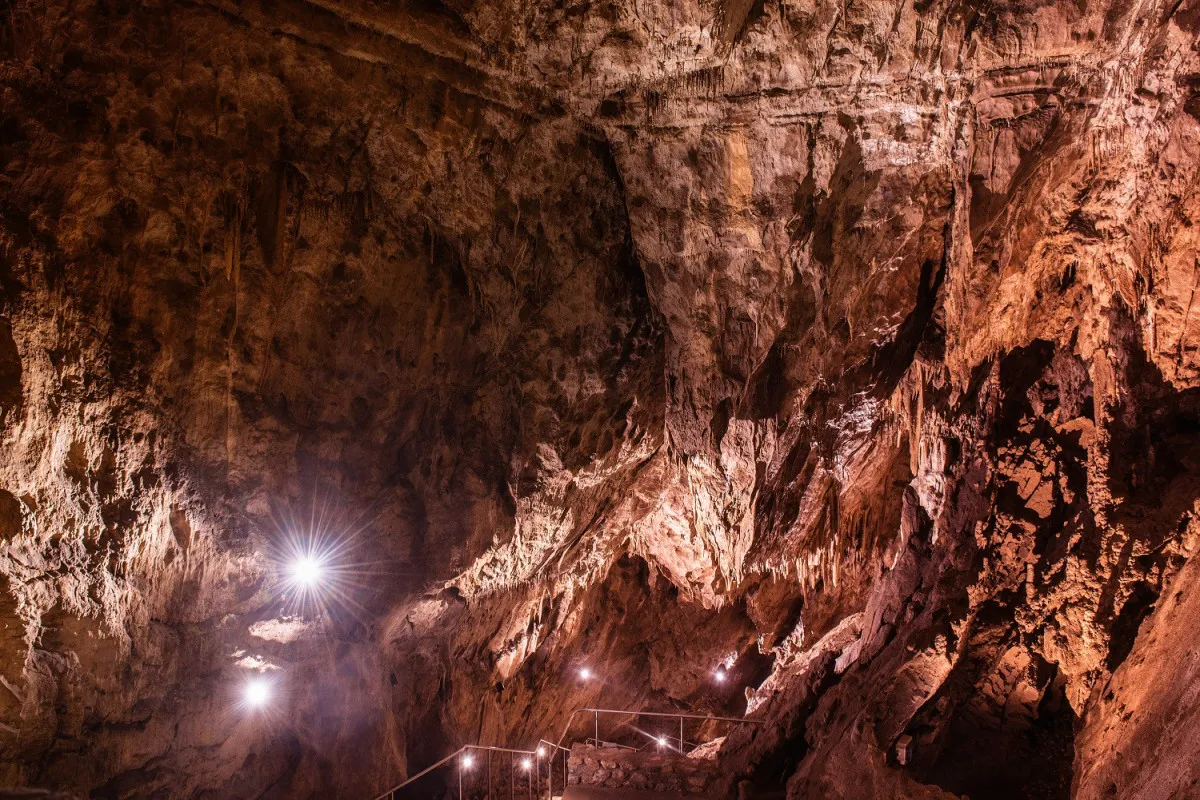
{"type": "Point", "coordinates": [847, 347]}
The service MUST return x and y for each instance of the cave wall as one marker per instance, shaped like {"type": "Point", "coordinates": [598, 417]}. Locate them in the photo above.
{"type": "Point", "coordinates": [856, 335]}
{"type": "Point", "coordinates": [243, 310]}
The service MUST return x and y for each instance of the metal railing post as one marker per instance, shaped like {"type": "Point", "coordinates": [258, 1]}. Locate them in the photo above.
{"type": "Point", "coordinates": [680, 733]}
{"type": "Point", "coordinates": [597, 729]}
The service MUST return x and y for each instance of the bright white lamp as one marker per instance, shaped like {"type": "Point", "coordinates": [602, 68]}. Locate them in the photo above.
{"type": "Point", "coordinates": [257, 693]}
{"type": "Point", "coordinates": [307, 571]}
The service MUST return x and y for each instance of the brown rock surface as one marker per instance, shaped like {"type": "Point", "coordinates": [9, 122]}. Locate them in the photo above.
{"type": "Point", "coordinates": [847, 344]}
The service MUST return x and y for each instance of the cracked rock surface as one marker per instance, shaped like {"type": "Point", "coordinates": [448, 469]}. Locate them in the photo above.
{"type": "Point", "coordinates": [847, 345]}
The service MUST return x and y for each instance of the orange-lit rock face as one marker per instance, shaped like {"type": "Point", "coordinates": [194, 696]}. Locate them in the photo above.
{"type": "Point", "coordinates": [848, 345]}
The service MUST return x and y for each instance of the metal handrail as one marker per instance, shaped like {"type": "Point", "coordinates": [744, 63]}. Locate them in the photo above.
{"type": "Point", "coordinates": [674, 715]}
{"type": "Point", "coordinates": [681, 716]}
{"type": "Point", "coordinates": [598, 711]}
{"type": "Point", "coordinates": [602, 743]}
{"type": "Point", "coordinates": [448, 759]}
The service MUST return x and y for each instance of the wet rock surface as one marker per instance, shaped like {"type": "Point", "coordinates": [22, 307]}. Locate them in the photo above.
{"type": "Point", "coordinates": [847, 346]}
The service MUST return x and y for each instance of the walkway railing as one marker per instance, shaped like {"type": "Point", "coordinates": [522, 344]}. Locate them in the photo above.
{"type": "Point", "coordinates": [463, 751]}
{"type": "Point", "coordinates": [661, 739]}
{"type": "Point", "coordinates": [547, 751]}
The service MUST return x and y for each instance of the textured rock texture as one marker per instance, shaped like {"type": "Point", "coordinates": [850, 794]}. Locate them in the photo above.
{"type": "Point", "coordinates": [848, 345]}
{"type": "Point", "coordinates": [638, 770]}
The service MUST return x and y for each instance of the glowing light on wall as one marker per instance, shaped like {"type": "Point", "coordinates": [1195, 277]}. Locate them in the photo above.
{"type": "Point", "coordinates": [257, 693]}
{"type": "Point", "coordinates": [307, 571]}
{"type": "Point", "coordinates": [316, 560]}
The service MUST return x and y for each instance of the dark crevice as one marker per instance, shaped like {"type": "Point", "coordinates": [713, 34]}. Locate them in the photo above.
{"type": "Point", "coordinates": [1137, 607]}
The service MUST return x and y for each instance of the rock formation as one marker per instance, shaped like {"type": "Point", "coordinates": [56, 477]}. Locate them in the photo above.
{"type": "Point", "coordinates": [848, 345]}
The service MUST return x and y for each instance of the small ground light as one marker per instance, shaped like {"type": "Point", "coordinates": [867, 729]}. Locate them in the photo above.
{"type": "Point", "coordinates": [585, 673]}
{"type": "Point", "coordinates": [526, 764]}
{"type": "Point", "coordinates": [662, 741]}
{"type": "Point", "coordinates": [541, 751]}
{"type": "Point", "coordinates": [719, 676]}
{"type": "Point", "coordinates": [467, 761]}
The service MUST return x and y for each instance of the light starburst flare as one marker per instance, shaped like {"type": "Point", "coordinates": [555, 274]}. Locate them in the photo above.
{"type": "Point", "coordinates": [256, 693]}
{"type": "Point", "coordinates": [317, 562]}
{"type": "Point", "coordinates": [307, 571]}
